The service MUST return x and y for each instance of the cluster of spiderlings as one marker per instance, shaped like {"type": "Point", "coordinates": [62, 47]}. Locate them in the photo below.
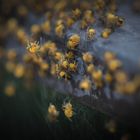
{"type": "Point", "coordinates": [68, 29]}
{"type": "Point", "coordinates": [65, 55]}
{"type": "Point", "coordinates": [117, 76]}
{"type": "Point", "coordinates": [53, 113]}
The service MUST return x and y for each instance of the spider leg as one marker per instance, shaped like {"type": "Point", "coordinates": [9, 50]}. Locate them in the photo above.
{"type": "Point", "coordinates": [38, 54]}
{"type": "Point", "coordinates": [29, 43]}
{"type": "Point", "coordinates": [39, 46]}
{"type": "Point", "coordinates": [37, 42]}
{"type": "Point", "coordinates": [28, 46]}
